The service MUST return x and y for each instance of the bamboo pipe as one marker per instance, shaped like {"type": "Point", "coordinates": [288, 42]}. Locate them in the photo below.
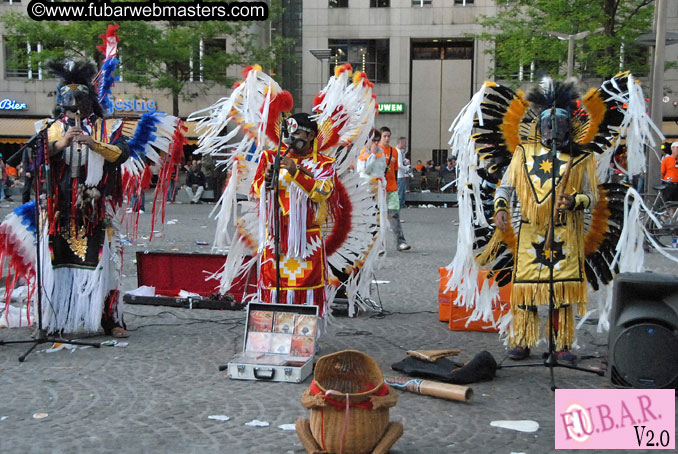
{"type": "Point", "coordinates": [431, 388]}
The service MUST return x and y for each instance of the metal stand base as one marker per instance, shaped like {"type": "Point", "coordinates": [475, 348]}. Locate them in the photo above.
{"type": "Point", "coordinates": [552, 362]}
{"type": "Point", "coordinates": [43, 338]}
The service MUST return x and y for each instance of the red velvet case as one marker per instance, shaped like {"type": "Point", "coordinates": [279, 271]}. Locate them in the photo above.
{"type": "Point", "coordinates": [170, 272]}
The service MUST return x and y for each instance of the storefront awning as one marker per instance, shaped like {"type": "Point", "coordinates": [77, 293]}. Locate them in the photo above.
{"type": "Point", "coordinates": [19, 130]}
{"type": "Point", "coordinates": [16, 130]}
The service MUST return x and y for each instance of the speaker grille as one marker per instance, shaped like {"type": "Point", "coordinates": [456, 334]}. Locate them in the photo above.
{"type": "Point", "coordinates": [645, 355]}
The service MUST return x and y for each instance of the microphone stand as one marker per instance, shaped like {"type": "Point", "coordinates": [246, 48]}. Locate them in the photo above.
{"type": "Point", "coordinates": [30, 143]}
{"type": "Point", "coordinates": [551, 360]}
{"type": "Point", "coordinates": [276, 203]}
{"type": "Point", "coordinates": [42, 336]}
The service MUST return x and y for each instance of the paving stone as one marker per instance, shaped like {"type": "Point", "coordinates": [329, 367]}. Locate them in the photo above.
{"type": "Point", "coordinates": [156, 394]}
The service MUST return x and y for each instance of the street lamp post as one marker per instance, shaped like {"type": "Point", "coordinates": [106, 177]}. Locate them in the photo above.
{"type": "Point", "coordinates": [321, 55]}
{"type": "Point", "coordinates": [658, 40]}
{"type": "Point", "coordinates": [570, 46]}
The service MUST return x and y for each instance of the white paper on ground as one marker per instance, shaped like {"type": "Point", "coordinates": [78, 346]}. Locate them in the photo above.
{"type": "Point", "coordinates": [219, 417]}
{"type": "Point", "coordinates": [525, 425]}
{"type": "Point", "coordinates": [144, 290]}
{"type": "Point", "coordinates": [287, 427]}
{"type": "Point", "coordinates": [57, 346]}
{"type": "Point", "coordinates": [2, 418]}
{"type": "Point", "coordinates": [257, 423]}
{"type": "Point", "coordinates": [186, 294]}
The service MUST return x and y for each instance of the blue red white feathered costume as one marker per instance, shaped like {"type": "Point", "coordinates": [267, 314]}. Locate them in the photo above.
{"type": "Point", "coordinates": [607, 236]}
{"type": "Point", "coordinates": [81, 256]}
{"type": "Point", "coordinates": [342, 230]}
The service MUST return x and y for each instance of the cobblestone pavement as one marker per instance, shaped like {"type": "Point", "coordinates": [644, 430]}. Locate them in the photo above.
{"type": "Point", "coordinates": [156, 394]}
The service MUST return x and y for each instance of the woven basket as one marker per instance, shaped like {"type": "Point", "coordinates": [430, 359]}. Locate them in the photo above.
{"type": "Point", "coordinates": [356, 374]}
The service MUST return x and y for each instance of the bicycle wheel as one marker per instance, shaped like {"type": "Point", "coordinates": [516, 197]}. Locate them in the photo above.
{"type": "Point", "coordinates": [667, 230]}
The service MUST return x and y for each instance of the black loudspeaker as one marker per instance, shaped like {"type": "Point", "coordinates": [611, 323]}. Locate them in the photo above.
{"type": "Point", "coordinates": [643, 340]}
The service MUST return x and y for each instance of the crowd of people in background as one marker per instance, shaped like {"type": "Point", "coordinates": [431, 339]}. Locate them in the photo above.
{"type": "Point", "coordinates": [196, 176]}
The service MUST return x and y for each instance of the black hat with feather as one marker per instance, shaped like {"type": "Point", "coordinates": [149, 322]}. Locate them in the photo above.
{"type": "Point", "coordinates": [75, 89]}
{"type": "Point", "coordinates": [555, 104]}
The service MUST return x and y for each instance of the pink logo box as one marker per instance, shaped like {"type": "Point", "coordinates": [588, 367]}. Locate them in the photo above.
{"type": "Point", "coordinates": [615, 418]}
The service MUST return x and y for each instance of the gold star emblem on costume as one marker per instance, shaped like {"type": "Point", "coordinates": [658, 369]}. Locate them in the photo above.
{"type": "Point", "coordinates": [546, 166]}
{"type": "Point", "coordinates": [291, 269]}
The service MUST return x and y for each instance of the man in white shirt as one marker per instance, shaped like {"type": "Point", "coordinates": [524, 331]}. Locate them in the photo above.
{"type": "Point", "coordinates": [403, 170]}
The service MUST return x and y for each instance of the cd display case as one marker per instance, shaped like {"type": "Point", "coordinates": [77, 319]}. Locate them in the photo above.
{"type": "Point", "coordinates": [279, 343]}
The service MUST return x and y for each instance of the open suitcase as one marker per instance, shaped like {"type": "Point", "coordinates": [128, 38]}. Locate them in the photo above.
{"type": "Point", "coordinates": [170, 272]}
{"type": "Point", "coordinates": [279, 343]}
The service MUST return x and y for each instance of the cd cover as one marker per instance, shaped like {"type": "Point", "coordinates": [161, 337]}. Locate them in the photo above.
{"type": "Point", "coordinates": [261, 321]}
{"type": "Point", "coordinates": [283, 322]}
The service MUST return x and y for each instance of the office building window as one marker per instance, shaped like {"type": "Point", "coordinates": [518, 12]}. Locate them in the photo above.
{"type": "Point", "coordinates": [421, 2]}
{"type": "Point", "coordinates": [463, 2]}
{"type": "Point", "coordinates": [18, 58]}
{"type": "Point", "coordinates": [338, 3]}
{"type": "Point", "coordinates": [442, 49]}
{"type": "Point", "coordinates": [380, 3]}
{"type": "Point", "coordinates": [368, 55]}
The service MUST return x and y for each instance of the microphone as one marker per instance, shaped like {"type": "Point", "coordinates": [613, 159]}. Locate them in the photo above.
{"type": "Point", "coordinates": [78, 124]}
{"type": "Point", "coordinates": [284, 138]}
{"type": "Point", "coordinates": [285, 133]}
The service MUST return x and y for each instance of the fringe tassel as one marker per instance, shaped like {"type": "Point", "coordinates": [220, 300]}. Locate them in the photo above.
{"type": "Point", "coordinates": [540, 213]}
{"type": "Point", "coordinates": [306, 297]}
{"type": "Point", "coordinates": [538, 294]}
{"type": "Point", "coordinates": [227, 208]}
{"type": "Point", "coordinates": [525, 330]}
{"type": "Point", "coordinates": [74, 297]}
{"type": "Point", "coordinates": [527, 327]}
{"type": "Point", "coordinates": [563, 328]}
{"type": "Point", "coordinates": [296, 235]}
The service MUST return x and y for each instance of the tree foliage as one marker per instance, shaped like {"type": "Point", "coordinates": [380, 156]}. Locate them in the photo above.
{"type": "Point", "coordinates": [518, 33]}
{"type": "Point", "coordinates": [164, 56]}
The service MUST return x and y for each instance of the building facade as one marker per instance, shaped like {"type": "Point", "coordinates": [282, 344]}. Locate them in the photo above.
{"type": "Point", "coordinates": [418, 53]}
{"type": "Point", "coordinates": [28, 95]}
{"type": "Point", "coordinates": [423, 61]}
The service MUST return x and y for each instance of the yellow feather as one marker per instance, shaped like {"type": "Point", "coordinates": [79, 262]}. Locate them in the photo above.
{"type": "Point", "coordinates": [599, 225]}
{"type": "Point", "coordinates": [596, 108]}
{"type": "Point", "coordinates": [510, 126]}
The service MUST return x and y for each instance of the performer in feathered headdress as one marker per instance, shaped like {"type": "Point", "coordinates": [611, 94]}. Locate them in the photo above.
{"type": "Point", "coordinates": [87, 169]}
{"type": "Point", "coordinates": [534, 150]}
{"type": "Point", "coordinates": [327, 214]}
{"type": "Point", "coordinates": [85, 188]}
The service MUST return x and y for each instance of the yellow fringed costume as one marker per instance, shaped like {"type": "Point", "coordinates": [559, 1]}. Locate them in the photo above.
{"type": "Point", "coordinates": [503, 141]}
{"type": "Point", "coordinates": [530, 176]}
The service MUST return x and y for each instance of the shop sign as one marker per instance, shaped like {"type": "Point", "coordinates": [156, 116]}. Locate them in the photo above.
{"type": "Point", "coordinates": [12, 104]}
{"type": "Point", "coordinates": [391, 107]}
{"type": "Point", "coordinates": [131, 106]}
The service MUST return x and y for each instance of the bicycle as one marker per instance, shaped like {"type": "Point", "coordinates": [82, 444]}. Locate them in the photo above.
{"type": "Point", "coordinates": [666, 212]}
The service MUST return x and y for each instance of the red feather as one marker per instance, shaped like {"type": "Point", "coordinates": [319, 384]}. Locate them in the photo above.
{"type": "Point", "coordinates": [111, 32]}
{"type": "Point", "coordinates": [283, 102]}
{"type": "Point", "coordinates": [341, 211]}
{"type": "Point", "coordinates": [318, 100]}
{"type": "Point", "coordinates": [246, 71]}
